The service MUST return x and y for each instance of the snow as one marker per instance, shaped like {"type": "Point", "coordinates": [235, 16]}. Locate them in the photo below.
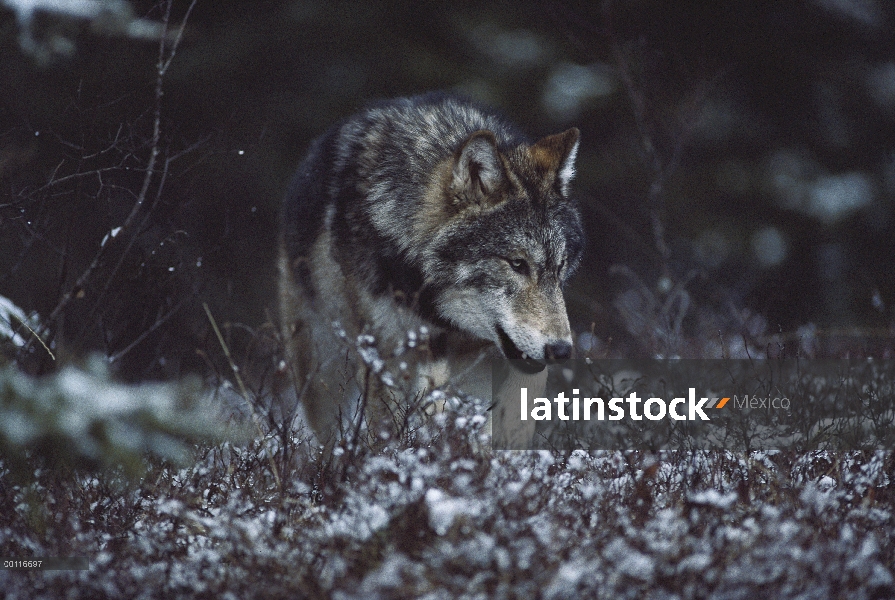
{"type": "Point", "coordinates": [439, 517]}
{"type": "Point", "coordinates": [444, 510]}
{"type": "Point", "coordinates": [714, 498]}
{"type": "Point", "coordinates": [10, 316]}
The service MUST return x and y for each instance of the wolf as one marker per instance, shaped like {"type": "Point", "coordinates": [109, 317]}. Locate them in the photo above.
{"type": "Point", "coordinates": [427, 219]}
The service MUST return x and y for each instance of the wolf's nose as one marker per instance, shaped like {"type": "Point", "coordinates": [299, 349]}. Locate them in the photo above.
{"type": "Point", "coordinates": [558, 351]}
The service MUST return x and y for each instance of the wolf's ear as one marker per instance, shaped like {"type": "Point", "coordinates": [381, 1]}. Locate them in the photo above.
{"type": "Point", "coordinates": [556, 154]}
{"type": "Point", "coordinates": [478, 169]}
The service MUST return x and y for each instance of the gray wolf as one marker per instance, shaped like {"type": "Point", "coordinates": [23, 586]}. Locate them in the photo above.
{"type": "Point", "coordinates": [433, 220]}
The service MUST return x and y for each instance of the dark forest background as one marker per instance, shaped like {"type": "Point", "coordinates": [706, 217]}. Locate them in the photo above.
{"type": "Point", "coordinates": [736, 173]}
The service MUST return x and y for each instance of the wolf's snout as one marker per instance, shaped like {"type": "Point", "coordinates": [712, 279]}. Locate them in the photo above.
{"type": "Point", "coordinates": [557, 351]}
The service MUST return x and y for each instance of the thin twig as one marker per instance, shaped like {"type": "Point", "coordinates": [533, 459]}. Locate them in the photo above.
{"type": "Point", "coordinates": [660, 171]}
{"type": "Point", "coordinates": [158, 323]}
{"type": "Point", "coordinates": [244, 392]}
{"type": "Point", "coordinates": [53, 181]}
{"type": "Point", "coordinates": [39, 339]}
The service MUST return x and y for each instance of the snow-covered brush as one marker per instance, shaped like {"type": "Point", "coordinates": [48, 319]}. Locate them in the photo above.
{"type": "Point", "coordinates": [80, 418]}
{"type": "Point", "coordinates": [16, 325]}
{"type": "Point", "coordinates": [105, 17]}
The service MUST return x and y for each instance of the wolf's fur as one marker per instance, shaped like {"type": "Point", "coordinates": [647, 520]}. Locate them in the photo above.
{"type": "Point", "coordinates": [426, 212]}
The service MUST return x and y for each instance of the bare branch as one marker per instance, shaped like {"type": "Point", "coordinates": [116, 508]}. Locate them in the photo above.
{"type": "Point", "coordinates": [166, 54]}
{"type": "Point", "coordinates": [158, 323]}
{"type": "Point", "coordinates": [244, 391]}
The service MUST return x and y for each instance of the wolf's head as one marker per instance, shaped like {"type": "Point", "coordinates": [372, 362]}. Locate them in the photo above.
{"type": "Point", "coordinates": [502, 236]}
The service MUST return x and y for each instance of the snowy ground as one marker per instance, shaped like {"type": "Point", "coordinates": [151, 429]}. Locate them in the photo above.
{"type": "Point", "coordinates": [435, 516]}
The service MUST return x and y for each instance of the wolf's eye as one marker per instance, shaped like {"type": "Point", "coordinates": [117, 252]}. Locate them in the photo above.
{"type": "Point", "coordinates": [519, 265]}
